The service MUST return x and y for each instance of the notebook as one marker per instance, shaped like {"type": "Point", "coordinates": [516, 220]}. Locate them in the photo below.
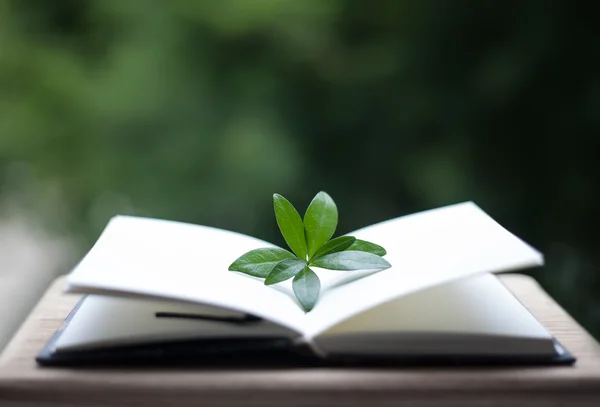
{"type": "Point", "coordinates": [159, 291]}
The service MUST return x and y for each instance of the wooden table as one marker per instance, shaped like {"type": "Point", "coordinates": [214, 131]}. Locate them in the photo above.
{"type": "Point", "coordinates": [23, 383]}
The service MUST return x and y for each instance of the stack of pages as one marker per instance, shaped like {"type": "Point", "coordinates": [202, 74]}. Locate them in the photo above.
{"type": "Point", "coordinates": [160, 291]}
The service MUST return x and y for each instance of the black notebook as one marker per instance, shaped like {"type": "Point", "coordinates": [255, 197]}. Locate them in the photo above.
{"type": "Point", "coordinates": [159, 291]}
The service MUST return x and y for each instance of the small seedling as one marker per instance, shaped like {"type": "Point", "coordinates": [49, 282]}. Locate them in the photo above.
{"type": "Point", "coordinates": [309, 240]}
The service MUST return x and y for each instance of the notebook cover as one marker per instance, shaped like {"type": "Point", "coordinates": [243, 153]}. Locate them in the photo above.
{"type": "Point", "coordinates": [262, 352]}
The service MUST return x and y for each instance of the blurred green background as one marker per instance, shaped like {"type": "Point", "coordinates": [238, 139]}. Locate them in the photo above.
{"type": "Point", "coordinates": [200, 110]}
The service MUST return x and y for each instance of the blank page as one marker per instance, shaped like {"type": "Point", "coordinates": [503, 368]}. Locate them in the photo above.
{"type": "Point", "coordinates": [189, 262]}
{"type": "Point", "coordinates": [425, 249]}
{"type": "Point", "coordinates": [110, 321]}
{"type": "Point", "coordinates": [478, 305]}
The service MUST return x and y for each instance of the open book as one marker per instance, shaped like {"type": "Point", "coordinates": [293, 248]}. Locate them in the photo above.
{"type": "Point", "coordinates": [161, 290]}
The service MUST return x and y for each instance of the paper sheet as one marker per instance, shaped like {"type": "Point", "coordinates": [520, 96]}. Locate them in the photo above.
{"type": "Point", "coordinates": [189, 262]}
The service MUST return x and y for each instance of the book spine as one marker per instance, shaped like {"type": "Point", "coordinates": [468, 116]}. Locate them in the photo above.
{"type": "Point", "coordinates": [310, 346]}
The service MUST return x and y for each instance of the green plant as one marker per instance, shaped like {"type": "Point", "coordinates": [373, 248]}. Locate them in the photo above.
{"type": "Point", "coordinates": [309, 240]}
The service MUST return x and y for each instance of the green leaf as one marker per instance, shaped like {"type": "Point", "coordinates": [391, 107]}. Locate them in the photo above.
{"type": "Point", "coordinates": [351, 260]}
{"type": "Point", "coordinates": [284, 270]}
{"type": "Point", "coordinates": [335, 245]}
{"type": "Point", "coordinates": [260, 262]}
{"type": "Point", "coordinates": [320, 221]}
{"type": "Point", "coordinates": [306, 286]}
{"type": "Point", "coordinates": [290, 225]}
{"type": "Point", "coordinates": [364, 246]}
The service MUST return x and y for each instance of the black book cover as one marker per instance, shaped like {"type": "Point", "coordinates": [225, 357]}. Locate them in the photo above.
{"type": "Point", "coordinates": [261, 352]}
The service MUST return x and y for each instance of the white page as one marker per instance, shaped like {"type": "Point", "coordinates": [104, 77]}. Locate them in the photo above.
{"type": "Point", "coordinates": [103, 320]}
{"type": "Point", "coordinates": [180, 261]}
{"type": "Point", "coordinates": [424, 249]}
{"type": "Point", "coordinates": [477, 305]}
{"type": "Point", "coordinates": [189, 262]}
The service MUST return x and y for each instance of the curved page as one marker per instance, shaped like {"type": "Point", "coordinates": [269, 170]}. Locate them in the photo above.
{"type": "Point", "coordinates": [180, 261]}
{"type": "Point", "coordinates": [424, 249]}
{"type": "Point", "coordinates": [189, 262]}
